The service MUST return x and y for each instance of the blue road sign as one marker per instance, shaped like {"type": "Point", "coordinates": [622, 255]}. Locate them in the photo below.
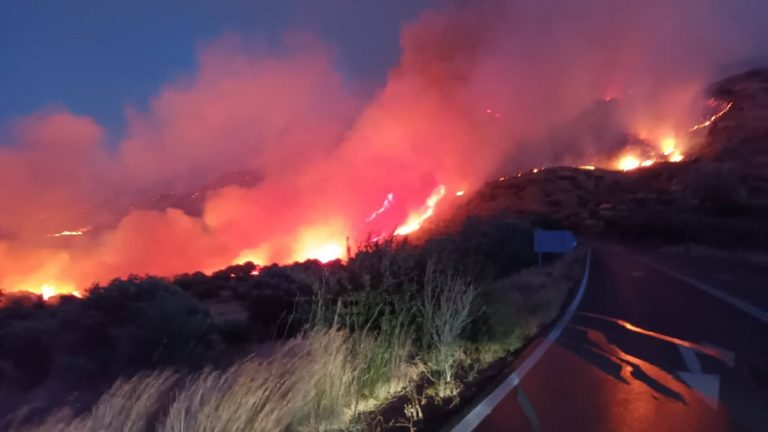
{"type": "Point", "coordinates": [551, 241]}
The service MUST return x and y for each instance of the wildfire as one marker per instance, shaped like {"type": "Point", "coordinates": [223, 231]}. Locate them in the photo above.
{"type": "Point", "coordinates": [417, 218]}
{"type": "Point", "coordinates": [324, 243]}
{"type": "Point", "coordinates": [460, 193]}
{"type": "Point", "coordinates": [78, 232]}
{"type": "Point", "coordinates": [712, 119]}
{"type": "Point", "coordinates": [669, 151]}
{"type": "Point", "coordinates": [668, 146]}
{"type": "Point", "coordinates": [257, 256]}
{"type": "Point", "coordinates": [628, 163]}
{"type": "Point", "coordinates": [326, 252]}
{"type": "Point", "coordinates": [387, 202]}
{"type": "Point", "coordinates": [676, 157]}
{"type": "Point", "coordinates": [49, 290]}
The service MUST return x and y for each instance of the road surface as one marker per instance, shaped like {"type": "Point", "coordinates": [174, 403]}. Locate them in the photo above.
{"type": "Point", "coordinates": [644, 351]}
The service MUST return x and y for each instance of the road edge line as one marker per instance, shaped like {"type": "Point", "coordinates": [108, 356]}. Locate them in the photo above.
{"type": "Point", "coordinates": [481, 411]}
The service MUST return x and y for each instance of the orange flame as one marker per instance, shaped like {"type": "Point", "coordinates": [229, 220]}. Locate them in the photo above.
{"type": "Point", "coordinates": [50, 290]}
{"type": "Point", "coordinates": [628, 163]}
{"type": "Point", "coordinates": [326, 252]}
{"type": "Point", "coordinates": [712, 119]}
{"type": "Point", "coordinates": [416, 219]}
{"type": "Point", "coordinates": [67, 233]}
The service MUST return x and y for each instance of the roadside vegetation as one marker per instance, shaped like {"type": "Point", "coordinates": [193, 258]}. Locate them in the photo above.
{"type": "Point", "coordinates": [393, 339]}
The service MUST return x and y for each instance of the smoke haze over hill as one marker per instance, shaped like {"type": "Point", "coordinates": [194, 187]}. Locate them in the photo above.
{"type": "Point", "coordinates": [479, 87]}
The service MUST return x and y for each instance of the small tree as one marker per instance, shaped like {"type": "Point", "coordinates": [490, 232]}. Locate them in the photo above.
{"type": "Point", "coordinates": [446, 308]}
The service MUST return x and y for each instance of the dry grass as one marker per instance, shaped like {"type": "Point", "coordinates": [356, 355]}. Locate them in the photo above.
{"type": "Point", "coordinates": [384, 362]}
{"type": "Point", "coordinates": [306, 385]}
{"type": "Point", "coordinates": [58, 421]}
{"type": "Point", "coordinates": [133, 404]}
{"type": "Point", "coordinates": [324, 379]}
{"type": "Point", "coordinates": [130, 405]}
{"type": "Point", "coordinates": [446, 308]}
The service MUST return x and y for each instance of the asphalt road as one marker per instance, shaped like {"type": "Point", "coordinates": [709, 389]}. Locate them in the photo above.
{"type": "Point", "coordinates": [645, 351]}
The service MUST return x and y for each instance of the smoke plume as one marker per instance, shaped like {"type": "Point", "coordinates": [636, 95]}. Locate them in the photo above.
{"type": "Point", "coordinates": [481, 86]}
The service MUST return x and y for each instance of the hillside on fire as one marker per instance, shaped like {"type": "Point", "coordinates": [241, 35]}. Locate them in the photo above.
{"type": "Point", "coordinates": [398, 335]}
{"type": "Point", "coordinates": [388, 216]}
{"type": "Point", "coordinates": [395, 328]}
{"type": "Point", "coordinates": [717, 195]}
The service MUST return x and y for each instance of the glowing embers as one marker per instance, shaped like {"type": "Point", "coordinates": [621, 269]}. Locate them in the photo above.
{"type": "Point", "coordinates": [387, 203]}
{"type": "Point", "coordinates": [67, 233]}
{"type": "Point", "coordinates": [493, 114]}
{"type": "Point", "coordinates": [417, 218]}
{"type": "Point", "coordinates": [713, 118]}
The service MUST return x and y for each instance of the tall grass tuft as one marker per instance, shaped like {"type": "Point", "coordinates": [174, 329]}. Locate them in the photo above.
{"type": "Point", "coordinates": [446, 310]}
{"type": "Point", "coordinates": [133, 404]}
{"type": "Point", "coordinates": [304, 385]}
{"type": "Point", "coordinates": [383, 350]}
{"type": "Point", "coordinates": [130, 405]}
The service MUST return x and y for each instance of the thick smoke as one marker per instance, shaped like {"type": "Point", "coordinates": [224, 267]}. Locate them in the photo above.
{"type": "Point", "coordinates": [479, 84]}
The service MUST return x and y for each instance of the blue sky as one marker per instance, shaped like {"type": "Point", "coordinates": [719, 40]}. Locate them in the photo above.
{"type": "Point", "coordinates": [96, 57]}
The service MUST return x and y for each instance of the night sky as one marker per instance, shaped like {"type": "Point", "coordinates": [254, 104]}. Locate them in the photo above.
{"type": "Point", "coordinates": [96, 58]}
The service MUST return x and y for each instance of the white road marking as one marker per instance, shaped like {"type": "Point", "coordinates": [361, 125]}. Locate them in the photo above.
{"type": "Point", "coordinates": [481, 411]}
{"type": "Point", "coordinates": [529, 410]}
{"type": "Point", "coordinates": [733, 301]}
{"type": "Point", "coordinates": [706, 385]}
{"type": "Point", "coordinates": [691, 361]}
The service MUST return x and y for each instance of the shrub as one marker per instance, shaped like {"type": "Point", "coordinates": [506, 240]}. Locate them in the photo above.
{"type": "Point", "coordinates": [447, 302]}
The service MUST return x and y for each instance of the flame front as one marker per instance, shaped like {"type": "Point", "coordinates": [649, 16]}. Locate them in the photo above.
{"type": "Point", "coordinates": [66, 233]}
{"type": "Point", "coordinates": [628, 162]}
{"type": "Point", "coordinates": [49, 290]}
{"type": "Point", "coordinates": [416, 219]}
{"type": "Point", "coordinates": [324, 253]}
{"type": "Point", "coordinates": [712, 119]}
{"type": "Point", "coordinates": [333, 162]}
{"type": "Point", "coordinates": [52, 289]}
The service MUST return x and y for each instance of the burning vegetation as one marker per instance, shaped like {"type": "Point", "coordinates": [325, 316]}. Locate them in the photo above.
{"type": "Point", "coordinates": [328, 166]}
{"type": "Point", "coordinates": [374, 206]}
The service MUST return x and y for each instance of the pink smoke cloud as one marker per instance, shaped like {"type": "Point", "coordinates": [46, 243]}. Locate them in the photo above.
{"type": "Point", "coordinates": [479, 84]}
